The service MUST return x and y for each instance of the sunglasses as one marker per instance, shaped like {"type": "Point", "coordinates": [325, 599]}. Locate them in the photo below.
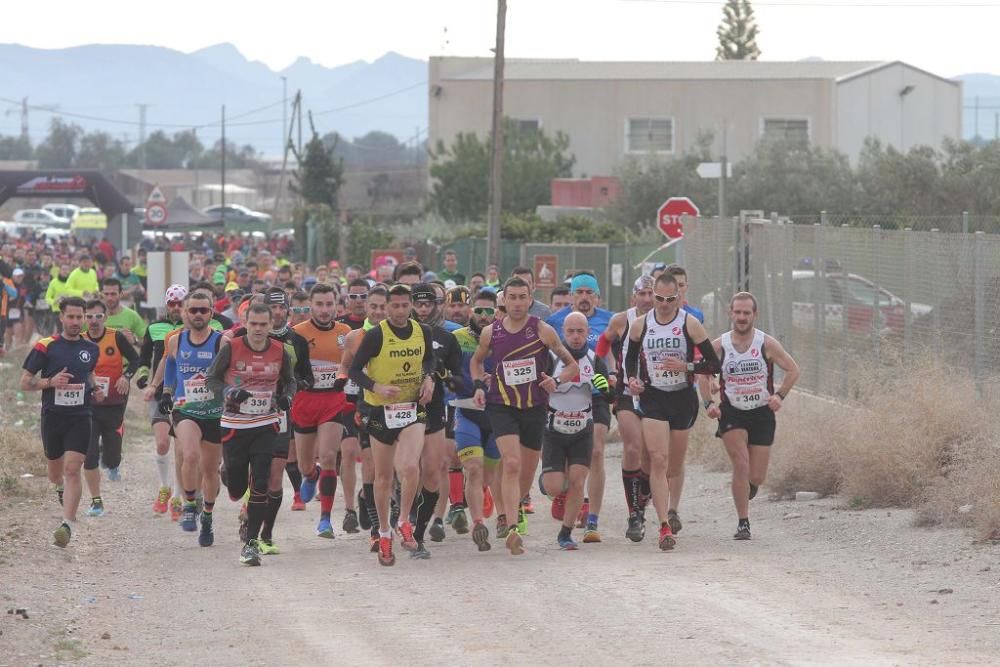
{"type": "Point", "coordinates": [357, 297]}
{"type": "Point", "coordinates": [301, 310]}
{"type": "Point", "coordinates": [484, 311]}
{"type": "Point", "coordinates": [199, 310]}
{"type": "Point", "coordinates": [95, 316]}
{"type": "Point", "coordinates": [665, 299]}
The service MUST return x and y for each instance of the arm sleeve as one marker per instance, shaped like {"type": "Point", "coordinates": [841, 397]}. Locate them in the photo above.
{"type": "Point", "coordinates": [709, 364]}
{"type": "Point", "coordinates": [131, 356]}
{"type": "Point", "coordinates": [170, 374]}
{"type": "Point", "coordinates": [286, 382]}
{"type": "Point", "coordinates": [632, 360]}
{"type": "Point", "coordinates": [603, 345]}
{"type": "Point", "coordinates": [215, 379]}
{"type": "Point", "coordinates": [453, 362]}
{"type": "Point", "coordinates": [146, 354]}
{"type": "Point", "coordinates": [429, 361]}
{"type": "Point", "coordinates": [370, 346]}
{"type": "Point", "coordinates": [303, 366]}
{"type": "Point", "coordinates": [601, 367]}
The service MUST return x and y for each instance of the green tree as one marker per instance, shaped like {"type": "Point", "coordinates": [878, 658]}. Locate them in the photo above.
{"type": "Point", "coordinates": [15, 148]}
{"type": "Point", "coordinates": [531, 160]}
{"type": "Point", "coordinates": [897, 183]}
{"type": "Point", "coordinates": [793, 179]}
{"type": "Point", "coordinates": [58, 150]}
{"type": "Point", "coordinates": [98, 150]}
{"type": "Point", "coordinates": [737, 32]}
{"type": "Point", "coordinates": [320, 174]}
{"type": "Point", "coordinates": [181, 151]}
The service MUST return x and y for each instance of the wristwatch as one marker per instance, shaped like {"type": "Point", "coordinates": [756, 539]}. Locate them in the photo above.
{"type": "Point", "coordinates": [779, 395]}
{"type": "Point", "coordinates": [558, 382]}
{"type": "Point", "coordinates": [708, 403]}
{"type": "Point", "coordinates": [690, 367]}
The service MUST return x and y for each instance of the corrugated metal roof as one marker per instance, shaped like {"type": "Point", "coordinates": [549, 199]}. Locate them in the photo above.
{"type": "Point", "coordinates": [558, 70]}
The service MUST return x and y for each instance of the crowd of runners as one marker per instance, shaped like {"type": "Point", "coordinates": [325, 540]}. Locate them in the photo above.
{"type": "Point", "coordinates": [449, 395]}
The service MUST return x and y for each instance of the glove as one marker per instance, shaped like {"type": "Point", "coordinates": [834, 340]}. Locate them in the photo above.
{"type": "Point", "coordinates": [239, 395]}
{"type": "Point", "coordinates": [283, 403]}
{"type": "Point", "coordinates": [302, 384]}
{"type": "Point", "coordinates": [339, 384]}
{"type": "Point", "coordinates": [600, 383]}
{"type": "Point", "coordinates": [142, 382]}
{"type": "Point", "coordinates": [166, 404]}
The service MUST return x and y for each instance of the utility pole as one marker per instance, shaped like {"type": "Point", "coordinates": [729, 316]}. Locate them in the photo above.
{"type": "Point", "coordinates": [24, 118]}
{"type": "Point", "coordinates": [493, 241]}
{"type": "Point", "coordinates": [284, 110]}
{"type": "Point", "coordinates": [223, 195]}
{"type": "Point", "coordinates": [724, 163]}
{"type": "Point", "coordinates": [287, 141]}
{"type": "Point", "coordinates": [300, 122]}
{"type": "Point", "coordinates": [142, 135]}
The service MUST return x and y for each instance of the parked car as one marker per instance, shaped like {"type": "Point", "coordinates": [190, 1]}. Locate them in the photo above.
{"type": "Point", "coordinates": [849, 302]}
{"type": "Point", "coordinates": [90, 218]}
{"type": "Point", "coordinates": [39, 216]}
{"type": "Point", "coordinates": [68, 211]}
{"type": "Point", "coordinates": [236, 213]}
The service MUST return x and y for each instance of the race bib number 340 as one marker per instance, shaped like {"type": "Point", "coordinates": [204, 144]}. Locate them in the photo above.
{"type": "Point", "coordinates": [519, 371]}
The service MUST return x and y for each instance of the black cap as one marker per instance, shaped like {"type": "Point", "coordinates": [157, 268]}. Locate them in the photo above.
{"type": "Point", "coordinates": [275, 296]}
{"type": "Point", "coordinates": [423, 292]}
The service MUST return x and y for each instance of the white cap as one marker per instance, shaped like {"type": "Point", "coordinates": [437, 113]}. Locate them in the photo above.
{"type": "Point", "coordinates": [176, 293]}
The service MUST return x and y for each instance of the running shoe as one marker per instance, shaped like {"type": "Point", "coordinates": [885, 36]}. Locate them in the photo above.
{"type": "Point", "coordinates": [267, 548]}
{"type": "Point", "coordinates": [636, 527]}
{"type": "Point", "coordinates": [487, 502]}
{"type": "Point", "coordinates": [350, 521]}
{"type": "Point", "coordinates": [406, 539]}
{"type": "Point", "coordinates": [373, 543]}
{"type": "Point", "coordinates": [307, 491]}
{"type": "Point", "coordinates": [244, 531]}
{"type": "Point", "coordinates": [250, 555]}
{"type": "Point", "coordinates": [363, 518]}
{"type": "Point", "coordinates": [436, 531]}
{"type": "Point", "coordinates": [114, 475]}
{"type": "Point", "coordinates": [567, 543]}
{"type": "Point", "coordinates": [591, 534]}
{"type": "Point", "coordinates": [581, 518]}
{"type": "Point", "coordinates": [460, 522]}
{"type": "Point", "coordinates": [189, 518]}
{"type": "Point", "coordinates": [297, 504]}
{"type": "Point", "coordinates": [753, 490]}
{"type": "Point", "coordinates": [522, 520]}
{"type": "Point", "coordinates": [175, 508]}
{"type": "Point", "coordinates": [160, 504]}
{"type": "Point", "coordinates": [529, 506]}
{"type": "Point", "coordinates": [59, 493]}
{"type": "Point", "coordinates": [502, 527]}
{"type": "Point", "coordinates": [514, 543]}
{"type": "Point", "coordinates": [674, 520]}
{"type": "Point", "coordinates": [324, 528]}
{"type": "Point", "coordinates": [206, 537]}
{"type": "Point", "coordinates": [96, 508]}
{"type": "Point", "coordinates": [481, 536]}
{"type": "Point", "coordinates": [742, 531]}
{"type": "Point", "coordinates": [420, 553]}
{"type": "Point", "coordinates": [244, 513]}
{"type": "Point", "coordinates": [559, 507]}
{"type": "Point", "coordinates": [453, 511]}
{"type": "Point", "coordinates": [62, 535]}
{"type": "Point", "coordinates": [385, 555]}
{"type": "Point", "coordinates": [667, 540]}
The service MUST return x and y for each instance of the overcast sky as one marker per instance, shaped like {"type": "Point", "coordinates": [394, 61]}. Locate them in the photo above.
{"type": "Point", "coordinates": [947, 38]}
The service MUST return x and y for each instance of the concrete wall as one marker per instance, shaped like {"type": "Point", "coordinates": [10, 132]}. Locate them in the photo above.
{"type": "Point", "coordinates": [870, 105]}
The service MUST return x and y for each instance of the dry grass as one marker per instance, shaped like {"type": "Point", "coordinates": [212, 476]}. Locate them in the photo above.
{"type": "Point", "coordinates": [919, 440]}
{"type": "Point", "coordinates": [704, 448]}
{"type": "Point", "coordinates": [20, 442]}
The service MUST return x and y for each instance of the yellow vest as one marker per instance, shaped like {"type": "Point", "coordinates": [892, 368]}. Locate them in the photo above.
{"type": "Point", "coordinates": [400, 363]}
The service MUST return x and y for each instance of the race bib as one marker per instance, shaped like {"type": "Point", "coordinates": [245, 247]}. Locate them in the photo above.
{"type": "Point", "coordinates": [196, 391]}
{"type": "Point", "coordinates": [70, 395]}
{"type": "Point", "coordinates": [569, 422]}
{"type": "Point", "coordinates": [660, 377]}
{"type": "Point", "coordinates": [352, 388]}
{"type": "Point", "coordinates": [259, 403]}
{"type": "Point", "coordinates": [519, 371]}
{"type": "Point", "coordinates": [324, 376]}
{"type": "Point", "coordinates": [42, 305]}
{"type": "Point", "coordinates": [282, 422]}
{"type": "Point", "coordinates": [400, 415]}
{"type": "Point", "coordinates": [14, 314]}
{"type": "Point", "coordinates": [102, 383]}
{"type": "Point", "coordinates": [749, 398]}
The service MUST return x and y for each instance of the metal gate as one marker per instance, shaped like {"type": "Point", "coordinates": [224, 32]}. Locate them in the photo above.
{"type": "Point", "coordinates": [562, 258]}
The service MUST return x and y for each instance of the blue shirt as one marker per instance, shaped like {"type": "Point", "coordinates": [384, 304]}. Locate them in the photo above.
{"type": "Point", "coordinates": [598, 323]}
{"type": "Point", "coordinates": [79, 358]}
{"type": "Point", "coordinates": [697, 314]}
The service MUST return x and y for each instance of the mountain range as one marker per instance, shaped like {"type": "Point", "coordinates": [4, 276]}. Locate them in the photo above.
{"type": "Point", "coordinates": [102, 86]}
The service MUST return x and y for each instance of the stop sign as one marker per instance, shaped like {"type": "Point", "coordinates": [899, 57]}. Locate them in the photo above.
{"type": "Point", "coordinates": [668, 216]}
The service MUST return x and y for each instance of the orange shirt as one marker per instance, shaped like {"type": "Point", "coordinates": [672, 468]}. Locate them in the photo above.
{"type": "Point", "coordinates": [326, 349]}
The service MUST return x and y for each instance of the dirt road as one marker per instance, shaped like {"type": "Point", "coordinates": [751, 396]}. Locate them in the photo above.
{"type": "Point", "coordinates": [816, 585]}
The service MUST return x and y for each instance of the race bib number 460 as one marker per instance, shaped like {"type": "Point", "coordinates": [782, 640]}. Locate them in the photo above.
{"type": "Point", "coordinates": [519, 371]}
{"type": "Point", "coordinates": [567, 422]}
{"type": "Point", "coordinates": [70, 395]}
{"type": "Point", "coordinates": [400, 415]}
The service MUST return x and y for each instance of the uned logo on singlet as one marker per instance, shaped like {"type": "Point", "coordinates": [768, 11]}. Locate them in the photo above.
{"type": "Point", "coordinates": [657, 343]}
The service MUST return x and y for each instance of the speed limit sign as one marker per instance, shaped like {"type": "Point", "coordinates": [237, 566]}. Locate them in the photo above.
{"type": "Point", "coordinates": [156, 214]}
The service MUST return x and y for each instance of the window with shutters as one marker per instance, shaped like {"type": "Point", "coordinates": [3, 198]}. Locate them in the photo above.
{"type": "Point", "coordinates": [649, 135]}
{"type": "Point", "coordinates": [791, 130]}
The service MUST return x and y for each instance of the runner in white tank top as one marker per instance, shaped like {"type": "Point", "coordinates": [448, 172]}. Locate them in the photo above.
{"type": "Point", "coordinates": [749, 401]}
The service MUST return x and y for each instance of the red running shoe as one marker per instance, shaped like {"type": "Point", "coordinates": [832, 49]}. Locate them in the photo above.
{"type": "Point", "coordinates": [581, 518]}
{"type": "Point", "coordinates": [529, 507]}
{"type": "Point", "coordinates": [667, 540]}
{"type": "Point", "coordinates": [160, 504]}
{"type": "Point", "coordinates": [385, 555]}
{"type": "Point", "coordinates": [407, 540]}
{"type": "Point", "coordinates": [297, 504]}
{"type": "Point", "coordinates": [559, 507]}
{"type": "Point", "coordinates": [487, 502]}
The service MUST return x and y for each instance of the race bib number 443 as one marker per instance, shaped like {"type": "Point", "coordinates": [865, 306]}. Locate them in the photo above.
{"type": "Point", "coordinates": [519, 371]}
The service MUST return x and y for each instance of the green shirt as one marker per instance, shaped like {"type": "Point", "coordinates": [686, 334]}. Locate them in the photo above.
{"type": "Point", "coordinates": [128, 319]}
{"type": "Point", "coordinates": [445, 274]}
{"type": "Point", "coordinates": [81, 282]}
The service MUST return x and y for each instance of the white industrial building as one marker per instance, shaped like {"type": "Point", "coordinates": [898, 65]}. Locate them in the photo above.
{"type": "Point", "coordinates": [611, 110]}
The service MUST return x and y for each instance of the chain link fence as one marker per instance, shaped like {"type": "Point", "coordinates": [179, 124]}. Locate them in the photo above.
{"type": "Point", "coordinates": [849, 300]}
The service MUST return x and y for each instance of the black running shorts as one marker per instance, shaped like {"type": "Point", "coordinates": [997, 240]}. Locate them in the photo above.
{"type": "Point", "coordinates": [559, 450]}
{"type": "Point", "coordinates": [528, 424]}
{"type": "Point", "coordinates": [375, 424]}
{"type": "Point", "coordinates": [601, 411]}
{"type": "Point", "coordinates": [677, 408]}
{"type": "Point", "coordinates": [759, 424]}
{"type": "Point", "coordinates": [65, 433]}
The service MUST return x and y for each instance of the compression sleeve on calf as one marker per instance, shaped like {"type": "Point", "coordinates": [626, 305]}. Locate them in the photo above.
{"type": "Point", "coordinates": [709, 363]}
{"type": "Point", "coordinates": [603, 345]}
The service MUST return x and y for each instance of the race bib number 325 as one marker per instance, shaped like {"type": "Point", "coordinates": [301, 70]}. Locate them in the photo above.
{"type": "Point", "coordinates": [519, 371]}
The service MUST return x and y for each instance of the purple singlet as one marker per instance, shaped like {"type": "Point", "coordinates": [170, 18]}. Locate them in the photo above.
{"type": "Point", "coordinates": [520, 360]}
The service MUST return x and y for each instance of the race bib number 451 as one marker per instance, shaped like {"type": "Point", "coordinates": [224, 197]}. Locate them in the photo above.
{"type": "Point", "coordinates": [70, 395]}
